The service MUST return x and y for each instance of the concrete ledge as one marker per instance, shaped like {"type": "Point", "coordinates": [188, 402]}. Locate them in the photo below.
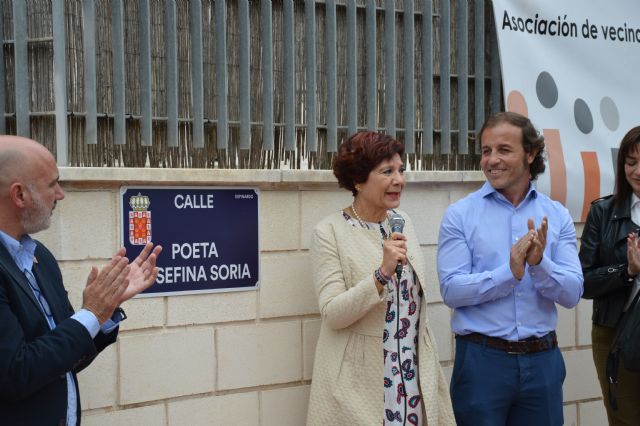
{"type": "Point", "coordinates": [131, 176]}
{"type": "Point", "coordinates": [321, 176]}
{"type": "Point", "coordinates": [445, 176]}
{"type": "Point", "coordinates": [110, 176]}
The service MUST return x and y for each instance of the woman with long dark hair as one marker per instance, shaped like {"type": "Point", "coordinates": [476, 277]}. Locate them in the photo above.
{"type": "Point", "coordinates": [610, 259]}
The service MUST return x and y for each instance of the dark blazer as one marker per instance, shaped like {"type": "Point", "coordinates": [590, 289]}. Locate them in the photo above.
{"type": "Point", "coordinates": [34, 360]}
{"type": "Point", "coordinates": [603, 255]}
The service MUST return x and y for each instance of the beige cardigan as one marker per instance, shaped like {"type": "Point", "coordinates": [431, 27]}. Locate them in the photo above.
{"type": "Point", "coordinates": [347, 385]}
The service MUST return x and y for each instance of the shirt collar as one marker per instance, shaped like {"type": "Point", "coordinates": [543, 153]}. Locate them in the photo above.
{"type": "Point", "coordinates": [634, 210]}
{"type": "Point", "coordinates": [22, 252]}
{"type": "Point", "coordinates": [487, 190]}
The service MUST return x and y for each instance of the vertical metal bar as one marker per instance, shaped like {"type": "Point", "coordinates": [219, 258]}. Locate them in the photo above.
{"type": "Point", "coordinates": [289, 77]}
{"type": "Point", "coordinates": [332, 95]}
{"type": "Point", "coordinates": [427, 77]}
{"type": "Point", "coordinates": [310, 71]}
{"type": "Point", "coordinates": [245, 79]}
{"type": "Point", "coordinates": [409, 78]}
{"type": "Point", "coordinates": [496, 77]}
{"type": "Point", "coordinates": [463, 77]}
{"type": "Point", "coordinates": [21, 73]}
{"type": "Point", "coordinates": [390, 67]}
{"type": "Point", "coordinates": [479, 69]}
{"type": "Point", "coordinates": [145, 73]}
{"type": "Point", "coordinates": [89, 59]}
{"type": "Point", "coordinates": [59, 81]}
{"type": "Point", "coordinates": [352, 67]}
{"type": "Point", "coordinates": [3, 88]}
{"type": "Point", "coordinates": [445, 76]}
{"type": "Point", "coordinates": [371, 91]}
{"type": "Point", "coordinates": [222, 78]}
{"type": "Point", "coordinates": [117, 33]}
{"type": "Point", "coordinates": [197, 85]}
{"type": "Point", "coordinates": [171, 70]}
{"type": "Point", "coordinates": [267, 72]}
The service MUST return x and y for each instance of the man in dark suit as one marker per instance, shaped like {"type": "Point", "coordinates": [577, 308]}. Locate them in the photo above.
{"type": "Point", "coordinates": [43, 343]}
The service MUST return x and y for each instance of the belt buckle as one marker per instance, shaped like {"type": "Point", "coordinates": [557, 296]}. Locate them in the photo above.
{"type": "Point", "coordinates": [511, 349]}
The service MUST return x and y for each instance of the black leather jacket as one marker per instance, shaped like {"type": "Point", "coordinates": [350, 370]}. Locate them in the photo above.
{"type": "Point", "coordinates": [603, 255]}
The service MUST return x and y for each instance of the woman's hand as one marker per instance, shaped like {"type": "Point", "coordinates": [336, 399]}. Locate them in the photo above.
{"type": "Point", "coordinates": [394, 251]}
{"type": "Point", "coordinates": [633, 255]}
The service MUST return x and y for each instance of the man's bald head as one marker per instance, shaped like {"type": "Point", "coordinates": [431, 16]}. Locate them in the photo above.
{"type": "Point", "coordinates": [29, 186]}
{"type": "Point", "coordinates": [18, 157]}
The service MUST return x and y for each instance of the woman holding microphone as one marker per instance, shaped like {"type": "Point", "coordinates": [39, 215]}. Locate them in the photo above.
{"type": "Point", "coordinates": [376, 361]}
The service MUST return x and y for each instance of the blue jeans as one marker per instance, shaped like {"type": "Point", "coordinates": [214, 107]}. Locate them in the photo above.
{"type": "Point", "coordinates": [493, 388]}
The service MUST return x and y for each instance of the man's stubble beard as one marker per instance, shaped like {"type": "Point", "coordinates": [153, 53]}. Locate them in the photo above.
{"type": "Point", "coordinates": [38, 217]}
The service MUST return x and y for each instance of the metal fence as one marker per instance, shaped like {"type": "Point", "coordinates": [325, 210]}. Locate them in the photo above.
{"type": "Point", "coordinates": [247, 83]}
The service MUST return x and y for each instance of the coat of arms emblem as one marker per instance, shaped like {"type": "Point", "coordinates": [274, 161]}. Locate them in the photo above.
{"type": "Point", "coordinates": [139, 220]}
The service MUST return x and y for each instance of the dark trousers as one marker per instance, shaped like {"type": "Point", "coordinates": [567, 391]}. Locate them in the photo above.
{"type": "Point", "coordinates": [493, 388]}
{"type": "Point", "coordinates": [628, 387]}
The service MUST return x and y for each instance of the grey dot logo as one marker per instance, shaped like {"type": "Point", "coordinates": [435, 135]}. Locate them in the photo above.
{"type": "Point", "coordinates": [547, 90]}
{"type": "Point", "coordinates": [609, 113]}
{"type": "Point", "coordinates": [582, 115]}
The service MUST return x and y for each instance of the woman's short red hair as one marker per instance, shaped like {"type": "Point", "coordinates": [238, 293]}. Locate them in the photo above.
{"type": "Point", "coordinates": [359, 154]}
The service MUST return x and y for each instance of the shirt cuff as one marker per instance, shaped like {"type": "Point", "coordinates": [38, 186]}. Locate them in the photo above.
{"type": "Point", "coordinates": [109, 325]}
{"type": "Point", "coordinates": [504, 280]}
{"type": "Point", "coordinates": [91, 323]}
{"type": "Point", "coordinates": [88, 321]}
{"type": "Point", "coordinates": [542, 270]}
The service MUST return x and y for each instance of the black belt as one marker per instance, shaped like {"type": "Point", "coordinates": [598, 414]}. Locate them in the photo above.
{"type": "Point", "coordinates": [518, 347]}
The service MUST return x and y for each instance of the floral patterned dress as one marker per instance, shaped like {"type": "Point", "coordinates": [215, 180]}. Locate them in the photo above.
{"type": "Point", "coordinates": [402, 400]}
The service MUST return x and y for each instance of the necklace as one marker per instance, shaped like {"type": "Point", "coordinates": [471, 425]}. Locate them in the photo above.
{"type": "Point", "coordinates": [362, 222]}
{"type": "Point", "coordinates": [355, 212]}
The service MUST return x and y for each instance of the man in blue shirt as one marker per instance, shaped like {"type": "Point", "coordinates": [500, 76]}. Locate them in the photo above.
{"type": "Point", "coordinates": [506, 255]}
{"type": "Point", "coordinates": [43, 343]}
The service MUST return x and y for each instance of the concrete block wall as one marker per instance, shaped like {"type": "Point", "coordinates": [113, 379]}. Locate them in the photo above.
{"type": "Point", "coordinates": [246, 358]}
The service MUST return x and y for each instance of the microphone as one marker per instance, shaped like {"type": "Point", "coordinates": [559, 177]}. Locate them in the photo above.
{"type": "Point", "coordinates": [397, 224]}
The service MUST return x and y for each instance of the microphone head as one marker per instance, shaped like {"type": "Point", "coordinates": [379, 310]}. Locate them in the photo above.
{"type": "Point", "coordinates": [397, 223]}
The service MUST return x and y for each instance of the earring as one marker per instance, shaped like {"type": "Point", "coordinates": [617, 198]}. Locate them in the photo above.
{"type": "Point", "coordinates": [358, 187]}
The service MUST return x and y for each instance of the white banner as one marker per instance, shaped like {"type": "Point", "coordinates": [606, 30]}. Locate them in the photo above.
{"type": "Point", "coordinates": [573, 67]}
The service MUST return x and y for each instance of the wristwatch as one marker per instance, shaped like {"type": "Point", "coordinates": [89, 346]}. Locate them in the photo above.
{"type": "Point", "coordinates": [118, 315]}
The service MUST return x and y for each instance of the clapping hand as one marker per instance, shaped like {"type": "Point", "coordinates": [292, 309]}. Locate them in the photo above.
{"type": "Point", "coordinates": [119, 280]}
{"type": "Point", "coordinates": [530, 248]}
{"type": "Point", "coordinates": [105, 288]}
{"type": "Point", "coordinates": [538, 243]}
{"type": "Point", "coordinates": [142, 271]}
{"type": "Point", "coordinates": [633, 255]}
{"type": "Point", "coordinates": [519, 254]}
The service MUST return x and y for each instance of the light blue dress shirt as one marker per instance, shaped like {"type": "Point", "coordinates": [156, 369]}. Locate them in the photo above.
{"type": "Point", "coordinates": [476, 235]}
{"type": "Point", "coordinates": [23, 253]}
